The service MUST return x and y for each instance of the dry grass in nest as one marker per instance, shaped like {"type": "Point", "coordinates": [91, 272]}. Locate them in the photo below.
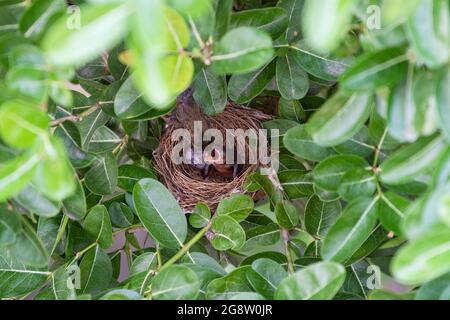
{"type": "Point", "coordinates": [184, 181]}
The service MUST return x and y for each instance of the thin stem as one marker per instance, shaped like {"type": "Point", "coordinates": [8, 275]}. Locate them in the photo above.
{"type": "Point", "coordinates": [60, 234]}
{"type": "Point", "coordinates": [290, 263]}
{"type": "Point", "coordinates": [186, 247]}
{"type": "Point", "coordinates": [378, 148]}
{"type": "Point", "coordinates": [81, 253]}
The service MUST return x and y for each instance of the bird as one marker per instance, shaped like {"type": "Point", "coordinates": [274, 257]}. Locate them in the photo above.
{"type": "Point", "coordinates": [207, 163]}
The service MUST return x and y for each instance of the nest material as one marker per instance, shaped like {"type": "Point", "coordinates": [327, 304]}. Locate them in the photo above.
{"type": "Point", "coordinates": [186, 182]}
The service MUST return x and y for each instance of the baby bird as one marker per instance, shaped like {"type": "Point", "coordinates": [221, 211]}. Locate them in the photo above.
{"type": "Point", "coordinates": [215, 160]}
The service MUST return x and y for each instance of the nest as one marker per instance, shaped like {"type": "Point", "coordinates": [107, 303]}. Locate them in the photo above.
{"type": "Point", "coordinates": [185, 181]}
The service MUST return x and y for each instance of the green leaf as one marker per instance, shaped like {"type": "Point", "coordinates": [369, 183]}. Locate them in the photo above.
{"type": "Point", "coordinates": [130, 174]}
{"type": "Point", "coordinates": [122, 294]}
{"type": "Point", "coordinates": [261, 237]}
{"type": "Point", "coordinates": [296, 183]}
{"type": "Point", "coordinates": [101, 27]}
{"type": "Point", "coordinates": [319, 281]}
{"type": "Point", "coordinates": [102, 178]}
{"type": "Point", "coordinates": [437, 289]}
{"type": "Point", "coordinates": [15, 174]}
{"type": "Point", "coordinates": [292, 80]}
{"type": "Point", "coordinates": [58, 288]}
{"type": "Point", "coordinates": [98, 224]}
{"type": "Point", "coordinates": [22, 124]}
{"type": "Point", "coordinates": [443, 103]}
{"type": "Point", "coordinates": [243, 88]}
{"type": "Point", "coordinates": [31, 199]}
{"type": "Point", "coordinates": [412, 160]}
{"type": "Point", "coordinates": [10, 226]}
{"type": "Point", "coordinates": [357, 183]}
{"type": "Point", "coordinates": [227, 233]}
{"type": "Point", "coordinates": [237, 206]}
{"type": "Point", "coordinates": [38, 16]}
{"type": "Point", "coordinates": [351, 230]}
{"type": "Point", "coordinates": [265, 275]}
{"type": "Point", "coordinates": [54, 176]}
{"type": "Point", "coordinates": [428, 213]}
{"type": "Point", "coordinates": [427, 30]}
{"type": "Point", "coordinates": [287, 214]}
{"type": "Point", "coordinates": [294, 10]}
{"type": "Point", "coordinates": [159, 76]}
{"type": "Point", "coordinates": [210, 92]}
{"type": "Point", "coordinates": [319, 65]}
{"type": "Point", "coordinates": [329, 172]}
{"type": "Point", "coordinates": [298, 141]}
{"type": "Point", "coordinates": [334, 17]}
{"type": "Point", "coordinates": [391, 211]}
{"type": "Point", "coordinates": [200, 216]}
{"type": "Point", "coordinates": [16, 279]}
{"type": "Point", "coordinates": [160, 213]}
{"type": "Point", "coordinates": [75, 206]}
{"type": "Point", "coordinates": [375, 69]}
{"type": "Point", "coordinates": [29, 81]}
{"type": "Point", "coordinates": [423, 259]}
{"type": "Point", "coordinates": [121, 215]}
{"type": "Point", "coordinates": [320, 216]}
{"type": "Point", "coordinates": [29, 248]}
{"type": "Point", "coordinates": [174, 283]}
{"type": "Point", "coordinates": [241, 50]}
{"type": "Point", "coordinates": [291, 110]}
{"type": "Point", "coordinates": [128, 102]}
{"type": "Point", "coordinates": [95, 271]}
{"type": "Point", "coordinates": [340, 118]}
{"type": "Point", "coordinates": [233, 283]}
{"type": "Point", "coordinates": [402, 110]}
{"type": "Point", "coordinates": [273, 20]}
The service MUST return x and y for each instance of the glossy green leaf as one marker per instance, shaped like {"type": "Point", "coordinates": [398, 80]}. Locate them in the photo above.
{"type": "Point", "coordinates": [102, 178]}
{"type": "Point", "coordinates": [265, 275]}
{"type": "Point", "coordinates": [423, 259]}
{"type": "Point", "coordinates": [227, 233]}
{"type": "Point", "coordinates": [287, 214]}
{"type": "Point", "coordinates": [201, 216]}
{"type": "Point", "coordinates": [298, 141]}
{"type": "Point", "coordinates": [339, 119]}
{"type": "Point", "coordinates": [95, 271]}
{"type": "Point", "coordinates": [16, 173]}
{"type": "Point", "coordinates": [175, 283]}
{"type": "Point", "coordinates": [54, 176]}
{"type": "Point", "coordinates": [335, 17]}
{"type": "Point", "coordinates": [100, 28]}
{"type": "Point", "coordinates": [242, 50]}
{"type": "Point", "coordinates": [375, 69]}
{"type": "Point", "coordinates": [320, 216]}
{"type": "Point", "coordinates": [16, 278]}
{"type": "Point", "coordinates": [21, 123]}
{"type": "Point", "coordinates": [350, 230]}
{"type": "Point", "coordinates": [357, 183]}
{"type": "Point", "coordinates": [412, 160]}
{"type": "Point", "coordinates": [98, 224]}
{"type": "Point", "coordinates": [238, 207]}
{"type": "Point", "coordinates": [273, 20]}
{"type": "Point", "coordinates": [329, 172]}
{"type": "Point", "coordinates": [31, 199]}
{"type": "Point", "coordinates": [243, 88]}
{"type": "Point", "coordinates": [129, 175]}
{"type": "Point", "coordinates": [292, 80]}
{"type": "Point", "coordinates": [210, 92]}
{"type": "Point", "coordinates": [160, 213]}
{"type": "Point", "coordinates": [319, 281]}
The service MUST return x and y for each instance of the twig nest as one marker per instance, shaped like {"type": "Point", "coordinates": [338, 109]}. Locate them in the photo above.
{"type": "Point", "coordinates": [186, 181]}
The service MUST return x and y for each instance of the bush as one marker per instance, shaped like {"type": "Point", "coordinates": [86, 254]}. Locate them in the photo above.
{"type": "Point", "coordinates": [361, 198]}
